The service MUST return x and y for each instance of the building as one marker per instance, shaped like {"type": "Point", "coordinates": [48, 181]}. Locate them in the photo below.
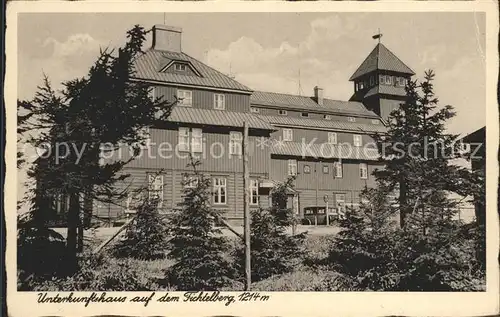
{"type": "Point", "coordinates": [326, 144]}
{"type": "Point", "coordinates": [477, 157]}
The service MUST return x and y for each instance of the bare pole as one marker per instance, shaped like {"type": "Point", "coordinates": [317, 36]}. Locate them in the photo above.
{"type": "Point", "coordinates": [246, 207]}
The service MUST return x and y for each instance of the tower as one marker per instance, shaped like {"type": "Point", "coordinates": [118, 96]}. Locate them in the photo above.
{"type": "Point", "coordinates": [379, 82]}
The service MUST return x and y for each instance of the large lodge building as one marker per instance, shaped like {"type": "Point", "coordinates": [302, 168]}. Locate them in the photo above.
{"type": "Point", "coordinates": [322, 142]}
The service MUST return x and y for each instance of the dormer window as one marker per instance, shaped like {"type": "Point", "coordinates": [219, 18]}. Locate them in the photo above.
{"type": "Point", "coordinates": [351, 119]}
{"type": "Point", "coordinates": [180, 67]}
{"type": "Point", "coordinates": [327, 117]}
{"type": "Point", "coordinates": [375, 121]}
{"type": "Point", "coordinates": [304, 114]}
{"type": "Point", "coordinates": [282, 112]}
{"type": "Point", "coordinates": [254, 110]}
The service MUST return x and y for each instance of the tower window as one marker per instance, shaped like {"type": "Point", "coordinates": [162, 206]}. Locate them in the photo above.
{"type": "Point", "coordinates": [372, 80]}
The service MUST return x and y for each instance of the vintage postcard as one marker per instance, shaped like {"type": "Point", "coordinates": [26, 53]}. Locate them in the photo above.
{"type": "Point", "coordinates": [263, 159]}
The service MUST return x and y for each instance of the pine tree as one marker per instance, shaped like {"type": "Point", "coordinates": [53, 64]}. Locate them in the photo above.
{"type": "Point", "coordinates": [273, 250]}
{"type": "Point", "coordinates": [147, 236]}
{"type": "Point", "coordinates": [197, 244]}
{"type": "Point", "coordinates": [107, 108]}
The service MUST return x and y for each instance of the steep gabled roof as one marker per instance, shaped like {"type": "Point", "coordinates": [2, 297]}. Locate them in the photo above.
{"type": "Point", "coordinates": [381, 58]}
{"type": "Point", "coordinates": [287, 101]}
{"type": "Point", "coordinates": [149, 64]}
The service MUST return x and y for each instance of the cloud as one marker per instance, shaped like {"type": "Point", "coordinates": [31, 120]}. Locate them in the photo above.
{"type": "Point", "coordinates": [318, 58]}
{"type": "Point", "coordinates": [59, 60]}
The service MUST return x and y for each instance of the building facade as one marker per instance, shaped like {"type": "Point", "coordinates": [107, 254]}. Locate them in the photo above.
{"type": "Point", "coordinates": [325, 144]}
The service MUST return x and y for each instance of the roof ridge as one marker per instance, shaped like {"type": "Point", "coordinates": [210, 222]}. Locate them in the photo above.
{"type": "Point", "coordinates": [281, 93]}
{"type": "Point", "coordinates": [215, 70]}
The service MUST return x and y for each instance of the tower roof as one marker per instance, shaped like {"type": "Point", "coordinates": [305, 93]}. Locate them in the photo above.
{"type": "Point", "coordinates": [381, 59]}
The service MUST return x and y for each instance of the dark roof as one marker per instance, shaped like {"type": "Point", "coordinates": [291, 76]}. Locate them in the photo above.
{"type": "Point", "coordinates": [324, 124]}
{"type": "Point", "coordinates": [381, 59]}
{"type": "Point", "coordinates": [149, 64]}
{"type": "Point", "coordinates": [328, 151]}
{"type": "Point", "coordinates": [217, 118]}
{"type": "Point", "coordinates": [287, 101]}
{"type": "Point", "coordinates": [476, 136]}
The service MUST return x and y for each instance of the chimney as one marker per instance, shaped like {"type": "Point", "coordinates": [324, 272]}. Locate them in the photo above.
{"type": "Point", "coordinates": [318, 95]}
{"type": "Point", "coordinates": [167, 38]}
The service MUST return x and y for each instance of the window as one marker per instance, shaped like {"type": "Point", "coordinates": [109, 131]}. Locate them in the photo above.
{"type": "Point", "coordinates": [327, 117]}
{"type": "Point", "coordinates": [332, 137]}
{"type": "Point", "coordinates": [282, 112]}
{"type": "Point", "coordinates": [131, 203]}
{"type": "Point", "coordinates": [326, 169]}
{"type": "Point", "coordinates": [185, 97]}
{"type": "Point", "coordinates": [190, 181]}
{"type": "Point", "coordinates": [338, 169]}
{"type": "Point", "coordinates": [363, 171]}
{"type": "Point", "coordinates": [340, 200]}
{"type": "Point", "coordinates": [61, 202]}
{"type": "Point", "coordinates": [155, 189]}
{"type": "Point", "coordinates": [401, 81]}
{"type": "Point", "coordinates": [235, 141]}
{"type": "Point", "coordinates": [372, 80]}
{"type": "Point", "coordinates": [304, 114]}
{"type": "Point", "coordinates": [292, 167]}
{"type": "Point", "coordinates": [180, 67]}
{"type": "Point", "coordinates": [375, 121]}
{"type": "Point", "coordinates": [307, 169]}
{"type": "Point", "coordinates": [254, 192]}
{"type": "Point", "coordinates": [357, 140]}
{"type": "Point", "coordinates": [254, 110]}
{"type": "Point", "coordinates": [183, 139]}
{"type": "Point", "coordinates": [196, 140]}
{"type": "Point", "coordinates": [360, 85]}
{"type": "Point", "coordinates": [220, 191]}
{"type": "Point", "coordinates": [351, 119]}
{"type": "Point", "coordinates": [388, 80]}
{"type": "Point", "coordinates": [287, 135]}
{"type": "Point", "coordinates": [152, 93]}
{"type": "Point", "coordinates": [219, 101]}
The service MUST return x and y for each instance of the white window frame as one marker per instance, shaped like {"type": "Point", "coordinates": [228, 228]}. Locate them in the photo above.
{"type": "Point", "coordinates": [288, 135]}
{"type": "Point", "coordinates": [219, 190]}
{"type": "Point", "coordinates": [388, 79]}
{"type": "Point", "coordinates": [282, 112]}
{"type": "Point", "coordinates": [254, 110]}
{"type": "Point", "coordinates": [183, 100]}
{"type": "Point", "coordinates": [363, 171]}
{"type": "Point", "coordinates": [307, 169]}
{"type": "Point", "coordinates": [235, 143]}
{"type": "Point", "coordinates": [179, 67]}
{"type": "Point", "coordinates": [304, 114]}
{"type": "Point", "coordinates": [332, 137]}
{"type": "Point", "coordinates": [351, 119]}
{"type": "Point", "coordinates": [360, 85]}
{"type": "Point", "coordinates": [326, 169]}
{"type": "Point", "coordinates": [292, 167]}
{"type": "Point", "coordinates": [357, 140]}
{"type": "Point", "coordinates": [196, 140]}
{"type": "Point", "coordinates": [375, 121]}
{"type": "Point", "coordinates": [338, 169]}
{"type": "Point", "coordinates": [183, 139]}
{"type": "Point", "coordinates": [254, 192]}
{"type": "Point", "coordinates": [327, 117]}
{"type": "Point", "coordinates": [219, 102]}
{"type": "Point", "coordinates": [155, 188]}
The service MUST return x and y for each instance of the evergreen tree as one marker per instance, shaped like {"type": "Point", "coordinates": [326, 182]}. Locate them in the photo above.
{"type": "Point", "coordinates": [273, 250]}
{"type": "Point", "coordinates": [107, 107]}
{"type": "Point", "coordinates": [146, 237]}
{"type": "Point", "coordinates": [197, 244]}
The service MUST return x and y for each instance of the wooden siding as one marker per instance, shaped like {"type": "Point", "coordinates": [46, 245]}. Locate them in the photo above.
{"type": "Point", "coordinates": [317, 179]}
{"type": "Point", "coordinates": [205, 98]}
{"type": "Point", "coordinates": [387, 106]}
{"type": "Point", "coordinates": [312, 115]}
{"type": "Point", "coordinates": [162, 153]}
{"type": "Point", "coordinates": [321, 136]}
{"type": "Point", "coordinates": [173, 192]}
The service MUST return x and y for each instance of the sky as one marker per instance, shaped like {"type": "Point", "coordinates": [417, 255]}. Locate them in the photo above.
{"type": "Point", "coordinates": [278, 52]}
